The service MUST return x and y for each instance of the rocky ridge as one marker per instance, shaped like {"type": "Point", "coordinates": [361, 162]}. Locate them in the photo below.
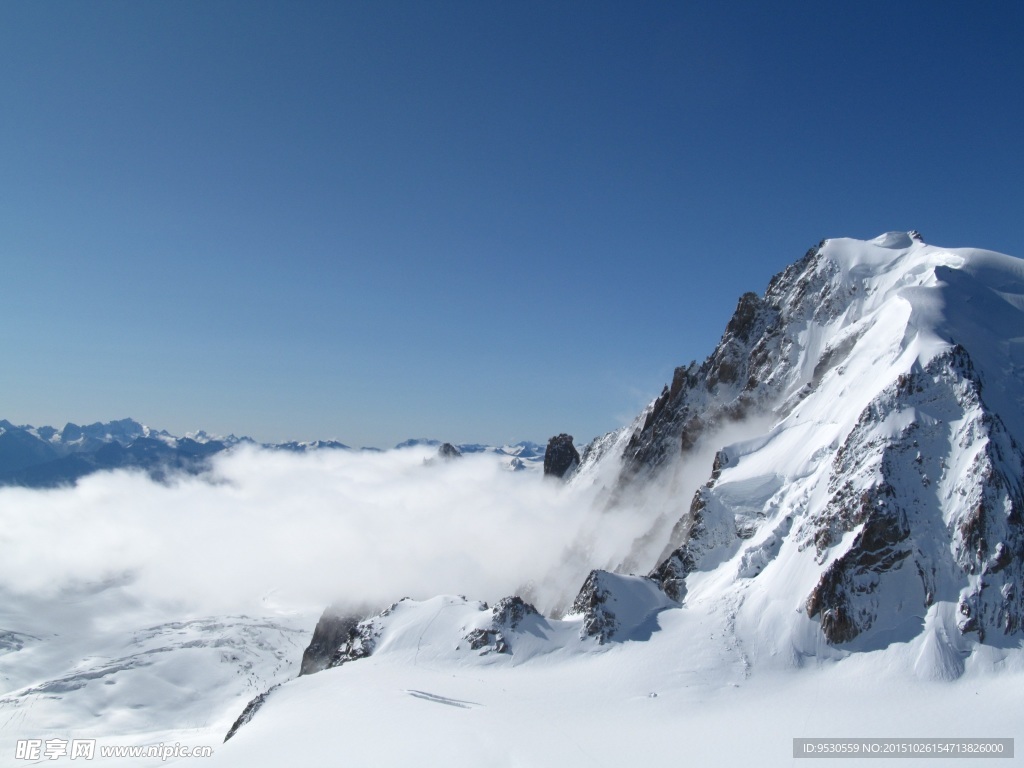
{"type": "Point", "coordinates": [910, 491]}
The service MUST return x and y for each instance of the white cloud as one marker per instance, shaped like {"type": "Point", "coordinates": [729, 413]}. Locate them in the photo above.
{"type": "Point", "coordinates": [274, 530]}
{"type": "Point", "coordinates": [298, 531]}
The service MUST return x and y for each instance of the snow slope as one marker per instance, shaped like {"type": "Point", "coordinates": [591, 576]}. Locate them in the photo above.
{"type": "Point", "coordinates": [685, 693]}
{"type": "Point", "coordinates": [94, 663]}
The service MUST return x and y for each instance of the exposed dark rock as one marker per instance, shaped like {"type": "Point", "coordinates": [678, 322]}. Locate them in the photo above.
{"type": "Point", "coordinates": [618, 608]}
{"type": "Point", "coordinates": [831, 356]}
{"type": "Point", "coordinates": [362, 641]}
{"type": "Point", "coordinates": [449, 451]}
{"type": "Point", "coordinates": [924, 497]}
{"type": "Point", "coordinates": [721, 462]}
{"type": "Point", "coordinates": [506, 616]}
{"type": "Point", "coordinates": [749, 372]}
{"type": "Point", "coordinates": [510, 611]}
{"type": "Point", "coordinates": [671, 573]}
{"type": "Point", "coordinates": [743, 322]}
{"type": "Point", "coordinates": [333, 630]}
{"type": "Point", "coordinates": [598, 619]}
{"type": "Point", "coordinates": [487, 640]}
{"type": "Point", "coordinates": [250, 711]}
{"type": "Point", "coordinates": [745, 374]}
{"type": "Point", "coordinates": [362, 638]}
{"type": "Point", "coordinates": [876, 550]}
{"type": "Point", "coordinates": [561, 457]}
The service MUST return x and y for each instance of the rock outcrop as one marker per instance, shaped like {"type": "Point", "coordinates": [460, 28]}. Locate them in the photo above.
{"type": "Point", "coordinates": [333, 630]}
{"type": "Point", "coordinates": [618, 607]}
{"type": "Point", "coordinates": [449, 451]}
{"type": "Point", "coordinates": [507, 615]}
{"type": "Point", "coordinates": [561, 458]}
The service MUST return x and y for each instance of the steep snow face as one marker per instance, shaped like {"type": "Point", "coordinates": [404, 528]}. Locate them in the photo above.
{"type": "Point", "coordinates": [886, 490]}
{"type": "Point", "coordinates": [894, 299]}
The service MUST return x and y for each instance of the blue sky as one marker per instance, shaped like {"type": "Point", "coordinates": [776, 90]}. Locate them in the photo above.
{"type": "Point", "coordinates": [471, 221]}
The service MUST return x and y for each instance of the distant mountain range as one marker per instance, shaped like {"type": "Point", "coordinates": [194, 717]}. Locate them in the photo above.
{"type": "Point", "coordinates": [47, 457]}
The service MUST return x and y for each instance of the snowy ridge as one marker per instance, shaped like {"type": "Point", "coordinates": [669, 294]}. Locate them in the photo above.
{"type": "Point", "coordinates": [609, 608]}
{"type": "Point", "coordinates": [887, 487]}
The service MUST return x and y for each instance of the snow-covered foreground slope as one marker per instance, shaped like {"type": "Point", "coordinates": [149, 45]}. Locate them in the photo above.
{"type": "Point", "coordinates": [684, 694]}
{"type": "Point", "coordinates": [93, 663]}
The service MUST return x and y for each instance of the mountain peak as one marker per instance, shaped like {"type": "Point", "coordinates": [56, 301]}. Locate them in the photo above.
{"type": "Point", "coordinates": [896, 240]}
{"type": "Point", "coordinates": [860, 424]}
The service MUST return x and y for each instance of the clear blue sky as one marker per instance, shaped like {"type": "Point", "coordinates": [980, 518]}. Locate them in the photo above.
{"type": "Point", "coordinates": [471, 221]}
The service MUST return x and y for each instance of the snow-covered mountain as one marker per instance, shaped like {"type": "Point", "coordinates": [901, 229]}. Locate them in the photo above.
{"type": "Point", "coordinates": [885, 489]}
{"type": "Point", "coordinates": [45, 457]}
{"type": "Point", "coordinates": [840, 482]}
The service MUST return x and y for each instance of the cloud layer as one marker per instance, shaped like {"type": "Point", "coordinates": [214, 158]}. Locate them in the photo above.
{"type": "Point", "coordinates": [276, 529]}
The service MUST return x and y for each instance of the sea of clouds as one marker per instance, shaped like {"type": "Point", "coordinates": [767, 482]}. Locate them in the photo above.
{"type": "Point", "coordinates": [274, 530]}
